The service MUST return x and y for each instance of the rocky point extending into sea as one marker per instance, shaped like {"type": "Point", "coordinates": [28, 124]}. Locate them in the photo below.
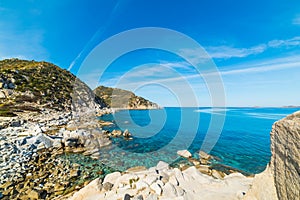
{"type": "Point", "coordinates": [31, 167]}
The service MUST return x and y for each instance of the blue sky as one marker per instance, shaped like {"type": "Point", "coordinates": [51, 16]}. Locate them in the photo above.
{"type": "Point", "coordinates": [254, 44]}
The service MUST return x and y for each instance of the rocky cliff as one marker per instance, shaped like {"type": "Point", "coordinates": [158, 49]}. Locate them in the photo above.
{"type": "Point", "coordinates": [285, 162]}
{"type": "Point", "coordinates": [281, 179]}
{"type": "Point", "coordinates": [118, 98]}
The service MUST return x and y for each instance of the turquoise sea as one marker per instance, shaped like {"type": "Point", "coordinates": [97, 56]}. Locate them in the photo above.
{"type": "Point", "coordinates": [243, 143]}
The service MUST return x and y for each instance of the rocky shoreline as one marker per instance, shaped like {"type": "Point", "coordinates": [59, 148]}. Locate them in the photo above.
{"type": "Point", "coordinates": [30, 144]}
{"type": "Point", "coordinates": [47, 112]}
{"type": "Point", "coordinates": [163, 182]}
{"type": "Point", "coordinates": [166, 182]}
{"type": "Point", "coordinates": [33, 144]}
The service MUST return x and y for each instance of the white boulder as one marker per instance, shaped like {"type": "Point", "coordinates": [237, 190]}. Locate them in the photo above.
{"type": "Point", "coordinates": [184, 153]}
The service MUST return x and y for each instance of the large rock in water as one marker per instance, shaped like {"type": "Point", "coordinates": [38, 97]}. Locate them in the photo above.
{"type": "Point", "coordinates": [285, 162]}
{"type": "Point", "coordinates": [184, 153]}
{"type": "Point", "coordinates": [281, 179]}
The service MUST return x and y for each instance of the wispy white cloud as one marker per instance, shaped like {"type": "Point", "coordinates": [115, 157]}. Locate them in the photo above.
{"type": "Point", "coordinates": [198, 55]}
{"type": "Point", "coordinates": [226, 52]}
{"type": "Point", "coordinates": [232, 52]}
{"type": "Point", "coordinates": [284, 43]}
{"type": "Point", "coordinates": [176, 65]}
{"type": "Point", "coordinates": [164, 71]}
{"type": "Point", "coordinates": [75, 60]}
{"type": "Point", "coordinates": [267, 66]}
{"type": "Point", "coordinates": [283, 63]}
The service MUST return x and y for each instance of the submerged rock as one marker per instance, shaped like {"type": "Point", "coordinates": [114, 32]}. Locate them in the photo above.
{"type": "Point", "coordinates": [204, 155]}
{"type": "Point", "coordinates": [126, 134]}
{"type": "Point", "coordinates": [184, 153]}
{"type": "Point", "coordinates": [116, 133]}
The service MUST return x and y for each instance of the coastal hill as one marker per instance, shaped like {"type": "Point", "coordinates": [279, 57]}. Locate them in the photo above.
{"type": "Point", "coordinates": [31, 86]}
{"type": "Point", "coordinates": [118, 98]}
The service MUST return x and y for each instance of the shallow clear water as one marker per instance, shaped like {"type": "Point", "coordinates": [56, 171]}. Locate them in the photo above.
{"type": "Point", "coordinates": [244, 142]}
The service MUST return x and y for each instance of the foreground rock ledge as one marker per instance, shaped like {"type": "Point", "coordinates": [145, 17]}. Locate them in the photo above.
{"type": "Point", "coordinates": [163, 182]}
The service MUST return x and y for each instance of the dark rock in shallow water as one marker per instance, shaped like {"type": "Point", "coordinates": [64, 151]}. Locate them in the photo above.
{"type": "Point", "coordinates": [74, 173]}
{"type": "Point", "coordinates": [116, 133]}
{"type": "Point", "coordinates": [100, 172]}
{"type": "Point", "coordinates": [204, 155]}
{"type": "Point", "coordinates": [126, 134]}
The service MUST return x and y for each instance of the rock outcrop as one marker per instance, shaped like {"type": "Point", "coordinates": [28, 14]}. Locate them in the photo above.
{"type": "Point", "coordinates": [285, 162]}
{"type": "Point", "coordinates": [281, 179]}
{"type": "Point", "coordinates": [163, 182]}
{"type": "Point", "coordinates": [184, 153]}
{"type": "Point", "coordinates": [123, 99]}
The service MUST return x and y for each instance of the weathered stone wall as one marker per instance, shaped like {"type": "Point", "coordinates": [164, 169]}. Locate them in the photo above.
{"type": "Point", "coordinates": [281, 179]}
{"type": "Point", "coordinates": [285, 161]}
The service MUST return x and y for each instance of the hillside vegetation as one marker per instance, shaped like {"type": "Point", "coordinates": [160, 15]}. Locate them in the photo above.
{"type": "Point", "coordinates": [31, 86]}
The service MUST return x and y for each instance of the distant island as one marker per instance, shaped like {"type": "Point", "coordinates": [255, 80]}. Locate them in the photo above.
{"type": "Point", "coordinates": [291, 106]}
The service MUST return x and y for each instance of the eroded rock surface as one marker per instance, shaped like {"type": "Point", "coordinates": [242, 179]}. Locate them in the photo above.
{"type": "Point", "coordinates": [163, 182]}
{"type": "Point", "coordinates": [285, 162]}
{"type": "Point", "coordinates": [281, 179]}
